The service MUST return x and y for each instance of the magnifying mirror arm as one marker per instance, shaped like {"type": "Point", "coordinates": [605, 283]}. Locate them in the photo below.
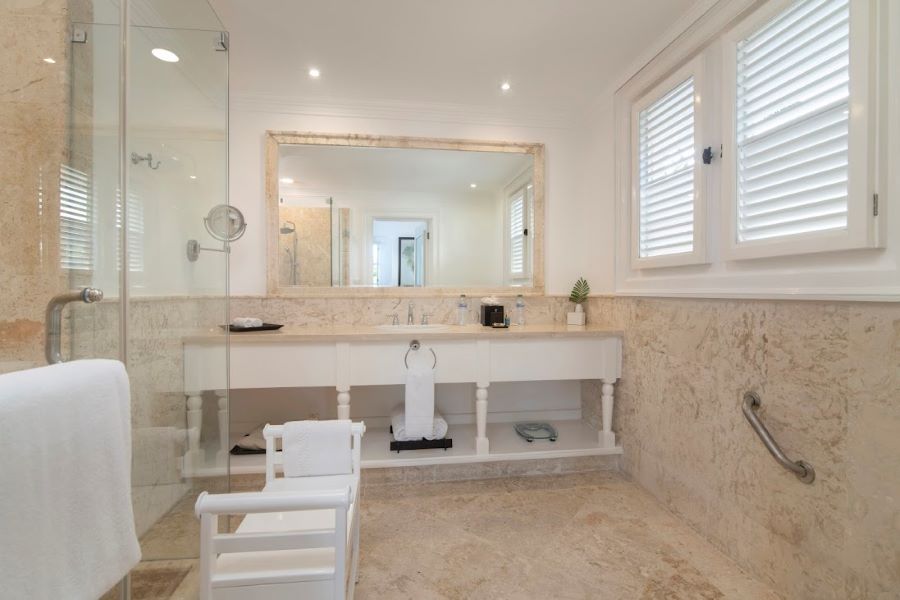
{"type": "Point", "coordinates": [194, 248]}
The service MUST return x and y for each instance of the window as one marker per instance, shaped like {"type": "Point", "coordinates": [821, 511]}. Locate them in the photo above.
{"type": "Point", "coordinates": [791, 136]}
{"type": "Point", "coordinates": [519, 219]}
{"type": "Point", "coordinates": [135, 233]}
{"type": "Point", "coordinates": [76, 220]}
{"type": "Point", "coordinates": [667, 228]}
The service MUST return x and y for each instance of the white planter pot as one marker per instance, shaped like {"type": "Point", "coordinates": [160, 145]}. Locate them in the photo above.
{"type": "Point", "coordinates": [576, 318]}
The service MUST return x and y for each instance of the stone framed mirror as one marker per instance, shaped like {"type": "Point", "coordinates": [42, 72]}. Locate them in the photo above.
{"type": "Point", "coordinates": [361, 215]}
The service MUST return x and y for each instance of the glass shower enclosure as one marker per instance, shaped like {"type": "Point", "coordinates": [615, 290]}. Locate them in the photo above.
{"type": "Point", "coordinates": [114, 137]}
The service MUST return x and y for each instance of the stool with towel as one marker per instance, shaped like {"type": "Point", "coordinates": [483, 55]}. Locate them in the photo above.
{"type": "Point", "coordinates": [415, 425]}
{"type": "Point", "coordinates": [300, 535]}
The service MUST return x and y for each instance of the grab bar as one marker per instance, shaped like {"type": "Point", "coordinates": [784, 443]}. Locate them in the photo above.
{"type": "Point", "coordinates": [802, 469]}
{"type": "Point", "coordinates": [53, 319]}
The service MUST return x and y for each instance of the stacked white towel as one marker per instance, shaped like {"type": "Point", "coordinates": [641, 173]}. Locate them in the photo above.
{"type": "Point", "coordinates": [65, 481]}
{"type": "Point", "coordinates": [245, 322]}
{"type": "Point", "coordinates": [438, 429]}
{"type": "Point", "coordinates": [317, 448]}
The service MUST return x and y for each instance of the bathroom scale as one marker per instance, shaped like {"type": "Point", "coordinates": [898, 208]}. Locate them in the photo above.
{"type": "Point", "coordinates": [536, 431]}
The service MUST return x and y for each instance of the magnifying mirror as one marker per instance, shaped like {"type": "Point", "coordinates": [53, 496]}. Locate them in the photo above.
{"type": "Point", "coordinates": [224, 223]}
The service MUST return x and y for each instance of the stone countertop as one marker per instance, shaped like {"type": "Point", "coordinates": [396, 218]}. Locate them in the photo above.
{"type": "Point", "coordinates": [370, 333]}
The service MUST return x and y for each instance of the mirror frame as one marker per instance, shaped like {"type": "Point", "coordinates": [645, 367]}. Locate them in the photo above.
{"type": "Point", "coordinates": [274, 139]}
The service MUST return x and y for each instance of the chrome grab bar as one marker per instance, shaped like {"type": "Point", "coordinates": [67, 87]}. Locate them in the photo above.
{"type": "Point", "coordinates": [53, 319]}
{"type": "Point", "coordinates": [802, 469]}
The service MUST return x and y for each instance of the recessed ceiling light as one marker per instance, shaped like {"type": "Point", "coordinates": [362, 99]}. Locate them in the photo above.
{"type": "Point", "coordinates": [473, 185]}
{"type": "Point", "coordinates": [504, 87]}
{"type": "Point", "coordinates": [49, 61]}
{"type": "Point", "coordinates": [314, 73]}
{"type": "Point", "coordinates": [193, 177]}
{"type": "Point", "coordinates": [164, 55]}
{"type": "Point", "coordinates": [286, 180]}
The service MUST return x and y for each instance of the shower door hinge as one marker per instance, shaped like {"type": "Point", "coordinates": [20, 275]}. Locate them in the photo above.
{"type": "Point", "coordinates": [79, 36]}
{"type": "Point", "coordinates": [222, 42]}
{"type": "Point", "coordinates": [874, 205]}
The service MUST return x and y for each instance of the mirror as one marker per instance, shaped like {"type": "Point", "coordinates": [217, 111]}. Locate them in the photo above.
{"type": "Point", "coordinates": [368, 213]}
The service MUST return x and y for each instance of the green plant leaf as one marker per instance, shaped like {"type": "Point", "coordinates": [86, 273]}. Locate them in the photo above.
{"type": "Point", "coordinates": [580, 291]}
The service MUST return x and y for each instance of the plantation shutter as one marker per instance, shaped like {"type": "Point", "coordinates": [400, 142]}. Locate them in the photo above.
{"type": "Point", "coordinates": [517, 235]}
{"type": "Point", "coordinates": [135, 233]}
{"type": "Point", "coordinates": [76, 220]}
{"type": "Point", "coordinates": [792, 122]}
{"type": "Point", "coordinates": [666, 162]}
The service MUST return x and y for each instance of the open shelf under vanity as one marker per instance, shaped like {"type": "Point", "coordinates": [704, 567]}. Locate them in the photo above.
{"type": "Point", "coordinates": [576, 438]}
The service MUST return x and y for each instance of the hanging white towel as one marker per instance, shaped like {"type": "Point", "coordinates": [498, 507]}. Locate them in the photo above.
{"type": "Point", "coordinates": [317, 448]}
{"type": "Point", "coordinates": [398, 424]}
{"type": "Point", "coordinates": [65, 481]}
{"type": "Point", "coordinates": [419, 405]}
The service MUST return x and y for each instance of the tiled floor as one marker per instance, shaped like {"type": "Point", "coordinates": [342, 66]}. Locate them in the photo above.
{"type": "Point", "coordinates": [592, 535]}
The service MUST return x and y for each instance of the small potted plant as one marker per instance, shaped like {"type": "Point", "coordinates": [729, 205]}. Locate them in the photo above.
{"type": "Point", "coordinates": [579, 296]}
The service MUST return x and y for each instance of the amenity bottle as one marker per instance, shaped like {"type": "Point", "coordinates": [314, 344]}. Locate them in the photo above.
{"type": "Point", "coordinates": [462, 310]}
{"type": "Point", "coordinates": [520, 310]}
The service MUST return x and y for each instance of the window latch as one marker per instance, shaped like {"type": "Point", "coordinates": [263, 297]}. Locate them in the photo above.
{"type": "Point", "coordinates": [707, 155]}
{"type": "Point", "coordinates": [525, 232]}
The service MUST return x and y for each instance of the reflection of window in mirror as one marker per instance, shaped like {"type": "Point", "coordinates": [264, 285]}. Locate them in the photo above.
{"type": "Point", "coordinates": [520, 223]}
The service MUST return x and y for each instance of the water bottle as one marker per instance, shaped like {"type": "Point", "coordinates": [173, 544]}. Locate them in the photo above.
{"type": "Point", "coordinates": [520, 310]}
{"type": "Point", "coordinates": [462, 310]}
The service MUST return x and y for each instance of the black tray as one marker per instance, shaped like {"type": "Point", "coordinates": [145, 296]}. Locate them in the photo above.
{"type": "Point", "coordinates": [263, 327]}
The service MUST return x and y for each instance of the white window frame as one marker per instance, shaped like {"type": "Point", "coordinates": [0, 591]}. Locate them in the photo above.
{"type": "Point", "coordinates": [862, 225]}
{"type": "Point", "coordinates": [693, 68]}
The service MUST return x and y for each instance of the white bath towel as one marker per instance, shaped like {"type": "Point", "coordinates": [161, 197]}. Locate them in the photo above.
{"type": "Point", "coordinates": [419, 401]}
{"type": "Point", "coordinates": [317, 448]}
{"type": "Point", "coordinates": [246, 322]}
{"type": "Point", "coordinates": [65, 481]}
{"type": "Point", "coordinates": [398, 424]}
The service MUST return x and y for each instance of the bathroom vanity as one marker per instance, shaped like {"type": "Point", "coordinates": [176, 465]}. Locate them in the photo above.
{"type": "Point", "coordinates": [363, 356]}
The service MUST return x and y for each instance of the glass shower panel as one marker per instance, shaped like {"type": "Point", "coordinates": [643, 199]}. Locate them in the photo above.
{"type": "Point", "coordinates": [176, 157]}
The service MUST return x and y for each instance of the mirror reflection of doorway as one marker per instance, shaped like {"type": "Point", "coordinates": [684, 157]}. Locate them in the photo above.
{"type": "Point", "coordinates": [399, 251]}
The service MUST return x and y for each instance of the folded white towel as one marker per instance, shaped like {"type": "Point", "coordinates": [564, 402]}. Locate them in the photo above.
{"type": "Point", "coordinates": [419, 394]}
{"type": "Point", "coordinates": [246, 322]}
{"type": "Point", "coordinates": [65, 481]}
{"type": "Point", "coordinates": [398, 424]}
{"type": "Point", "coordinates": [317, 448]}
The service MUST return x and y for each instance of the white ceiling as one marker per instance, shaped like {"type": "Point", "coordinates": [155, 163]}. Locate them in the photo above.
{"type": "Point", "coordinates": [328, 169]}
{"type": "Point", "coordinates": [557, 54]}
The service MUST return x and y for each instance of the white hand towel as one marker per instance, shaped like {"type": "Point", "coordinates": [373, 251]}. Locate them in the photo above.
{"type": "Point", "coordinates": [65, 481]}
{"type": "Point", "coordinates": [398, 424]}
{"type": "Point", "coordinates": [419, 394]}
{"type": "Point", "coordinates": [317, 448]}
{"type": "Point", "coordinates": [246, 322]}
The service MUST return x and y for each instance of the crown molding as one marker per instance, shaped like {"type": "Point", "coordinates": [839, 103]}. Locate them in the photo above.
{"type": "Point", "coordinates": [404, 111]}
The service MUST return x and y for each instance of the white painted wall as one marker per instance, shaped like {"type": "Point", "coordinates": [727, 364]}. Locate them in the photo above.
{"type": "Point", "coordinates": [579, 208]}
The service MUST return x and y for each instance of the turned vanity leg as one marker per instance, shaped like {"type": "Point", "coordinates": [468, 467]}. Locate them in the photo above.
{"type": "Point", "coordinates": [342, 369]}
{"type": "Point", "coordinates": [222, 456]}
{"type": "Point", "coordinates": [607, 437]}
{"type": "Point", "coordinates": [343, 400]}
{"type": "Point", "coordinates": [482, 445]}
{"type": "Point", "coordinates": [194, 422]}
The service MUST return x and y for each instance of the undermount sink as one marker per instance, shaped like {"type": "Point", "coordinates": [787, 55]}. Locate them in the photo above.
{"type": "Point", "coordinates": [411, 328]}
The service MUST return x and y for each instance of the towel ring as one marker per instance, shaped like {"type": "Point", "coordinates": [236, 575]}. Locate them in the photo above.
{"type": "Point", "coordinates": [414, 346]}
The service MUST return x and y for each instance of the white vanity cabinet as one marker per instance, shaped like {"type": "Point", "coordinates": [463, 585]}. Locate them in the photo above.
{"type": "Point", "coordinates": [344, 358]}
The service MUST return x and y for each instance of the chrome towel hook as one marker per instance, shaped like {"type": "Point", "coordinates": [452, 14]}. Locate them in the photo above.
{"type": "Point", "coordinates": [414, 347]}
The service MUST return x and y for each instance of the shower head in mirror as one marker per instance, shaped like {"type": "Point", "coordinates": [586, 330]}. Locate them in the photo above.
{"type": "Point", "coordinates": [288, 227]}
{"type": "Point", "coordinates": [225, 223]}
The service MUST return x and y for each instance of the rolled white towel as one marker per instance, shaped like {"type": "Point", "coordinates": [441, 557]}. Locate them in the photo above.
{"type": "Point", "coordinates": [245, 322]}
{"type": "Point", "coordinates": [398, 423]}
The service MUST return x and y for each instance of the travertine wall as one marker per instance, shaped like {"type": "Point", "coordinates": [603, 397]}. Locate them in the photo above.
{"type": "Point", "coordinates": [313, 231]}
{"type": "Point", "coordinates": [34, 99]}
{"type": "Point", "coordinates": [829, 378]}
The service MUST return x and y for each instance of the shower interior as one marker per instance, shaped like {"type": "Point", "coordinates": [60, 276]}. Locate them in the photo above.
{"type": "Point", "coordinates": [290, 228]}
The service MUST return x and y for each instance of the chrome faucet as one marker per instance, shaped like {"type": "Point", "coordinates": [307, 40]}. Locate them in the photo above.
{"type": "Point", "coordinates": [410, 320]}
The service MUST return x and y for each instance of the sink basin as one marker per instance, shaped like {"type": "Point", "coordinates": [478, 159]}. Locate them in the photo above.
{"type": "Point", "coordinates": [411, 328]}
